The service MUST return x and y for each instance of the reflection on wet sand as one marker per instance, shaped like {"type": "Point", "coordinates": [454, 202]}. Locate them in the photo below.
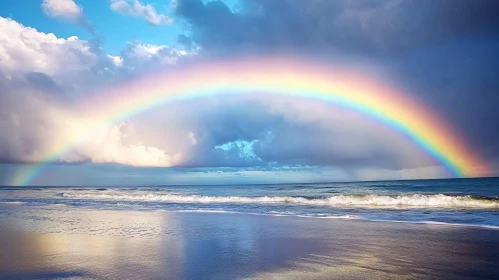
{"type": "Point", "coordinates": [89, 244]}
{"type": "Point", "coordinates": [77, 243]}
{"type": "Point", "coordinates": [400, 251]}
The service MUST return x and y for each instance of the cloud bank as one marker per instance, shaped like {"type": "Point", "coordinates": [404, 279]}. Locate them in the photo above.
{"type": "Point", "coordinates": [201, 133]}
{"type": "Point", "coordinates": [441, 50]}
{"type": "Point", "coordinates": [444, 51]}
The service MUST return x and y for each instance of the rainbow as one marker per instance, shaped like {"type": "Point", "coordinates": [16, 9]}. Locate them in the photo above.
{"type": "Point", "coordinates": [276, 75]}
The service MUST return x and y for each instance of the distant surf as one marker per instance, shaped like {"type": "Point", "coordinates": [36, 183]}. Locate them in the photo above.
{"type": "Point", "coordinates": [370, 200]}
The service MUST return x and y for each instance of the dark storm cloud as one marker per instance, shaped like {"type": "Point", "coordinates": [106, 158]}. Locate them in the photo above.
{"type": "Point", "coordinates": [368, 26]}
{"type": "Point", "coordinates": [460, 82]}
{"type": "Point", "coordinates": [443, 51]}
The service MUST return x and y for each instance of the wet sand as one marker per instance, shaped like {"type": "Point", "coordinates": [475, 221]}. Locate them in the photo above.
{"type": "Point", "coordinates": [72, 243]}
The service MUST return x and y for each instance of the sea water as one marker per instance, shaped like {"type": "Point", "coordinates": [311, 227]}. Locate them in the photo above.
{"type": "Point", "coordinates": [462, 202]}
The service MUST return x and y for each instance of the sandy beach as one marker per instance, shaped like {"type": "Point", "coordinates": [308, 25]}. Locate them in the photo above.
{"type": "Point", "coordinates": [70, 243]}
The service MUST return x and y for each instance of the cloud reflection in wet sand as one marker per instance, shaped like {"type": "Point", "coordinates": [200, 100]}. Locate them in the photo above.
{"type": "Point", "coordinates": [41, 242]}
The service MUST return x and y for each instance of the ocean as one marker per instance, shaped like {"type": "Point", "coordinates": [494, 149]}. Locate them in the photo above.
{"type": "Point", "coordinates": [460, 202]}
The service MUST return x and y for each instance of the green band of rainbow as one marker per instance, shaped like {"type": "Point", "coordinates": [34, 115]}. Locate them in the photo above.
{"type": "Point", "coordinates": [288, 76]}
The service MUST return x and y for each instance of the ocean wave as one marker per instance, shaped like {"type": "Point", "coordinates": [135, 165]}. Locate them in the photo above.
{"type": "Point", "coordinates": [380, 201]}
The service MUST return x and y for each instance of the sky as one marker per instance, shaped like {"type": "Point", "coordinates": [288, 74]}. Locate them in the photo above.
{"type": "Point", "coordinates": [55, 55]}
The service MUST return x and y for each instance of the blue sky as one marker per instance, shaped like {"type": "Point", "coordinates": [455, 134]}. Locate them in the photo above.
{"type": "Point", "coordinates": [441, 53]}
{"type": "Point", "coordinates": [116, 29]}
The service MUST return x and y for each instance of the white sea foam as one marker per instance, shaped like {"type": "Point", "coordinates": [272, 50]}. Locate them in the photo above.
{"type": "Point", "coordinates": [381, 201]}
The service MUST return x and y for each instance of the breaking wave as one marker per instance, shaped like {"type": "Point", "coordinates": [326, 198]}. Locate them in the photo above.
{"type": "Point", "coordinates": [380, 201]}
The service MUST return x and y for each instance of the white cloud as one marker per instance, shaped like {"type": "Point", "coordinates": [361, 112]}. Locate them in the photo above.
{"type": "Point", "coordinates": [136, 9]}
{"type": "Point", "coordinates": [50, 124]}
{"type": "Point", "coordinates": [24, 49]}
{"type": "Point", "coordinates": [117, 60]}
{"type": "Point", "coordinates": [108, 145]}
{"type": "Point", "coordinates": [65, 9]}
{"type": "Point", "coordinates": [137, 56]}
{"type": "Point", "coordinates": [33, 120]}
{"type": "Point", "coordinates": [72, 62]}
